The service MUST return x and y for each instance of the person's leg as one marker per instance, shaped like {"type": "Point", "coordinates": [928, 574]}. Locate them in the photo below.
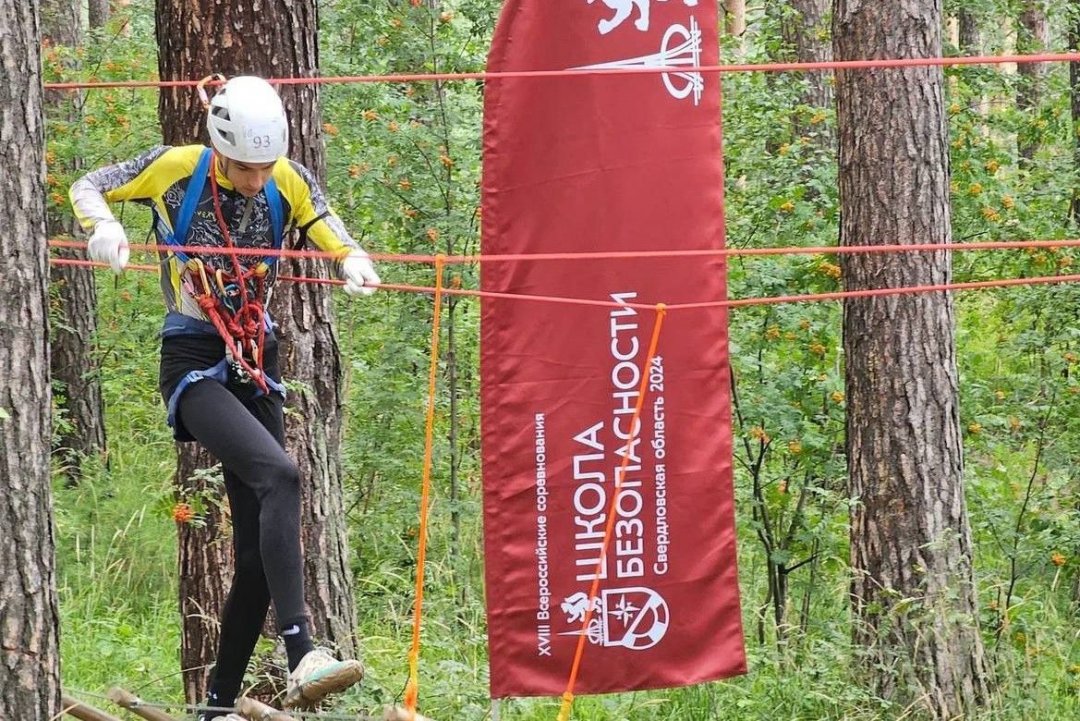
{"type": "Point", "coordinates": [313, 673]}
{"type": "Point", "coordinates": [263, 487]}
{"type": "Point", "coordinates": [294, 628]}
{"type": "Point", "coordinates": [248, 600]}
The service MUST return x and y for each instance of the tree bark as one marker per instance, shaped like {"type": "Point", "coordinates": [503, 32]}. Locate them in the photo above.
{"type": "Point", "coordinates": [97, 13]}
{"type": "Point", "coordinates": [204, 560]}
{"type": "Point", "coordinates": [278, 40]}
{"type": "Point", "coordinates": [912, 590]}
{"type": "Point", "coordinates": [734, 17]}
{"type": "Point", "coordinates": [310, 355]}
{"type": "Point", "coordinates": [29, 653]}
{"type": "Point", "coordinates": [75, 366]}
{"type": "Point", "coordinates": [1033, 35]}
{"type": "Point", "coordinates": [61, 23]}
{"type": "Point", "coordinates": [804, 29]}
{"type": "Point", "coordinates": [204, 565]}
{"type": "Point", "coordinates": [969, 35]}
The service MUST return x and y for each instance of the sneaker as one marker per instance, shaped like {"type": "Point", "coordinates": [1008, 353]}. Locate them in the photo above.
{"type": "Point", "coordinates": [317, 675]}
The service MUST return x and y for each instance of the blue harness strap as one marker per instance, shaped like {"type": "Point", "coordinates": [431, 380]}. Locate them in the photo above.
{"type": "Point", "coordinates": [219, 373]}
{"type": "Point", "coordinates": [277, 218]}
{"type": "Point", "coordinates": [177, 324]}
{"type": "Point", "coordinates": [193, 193]}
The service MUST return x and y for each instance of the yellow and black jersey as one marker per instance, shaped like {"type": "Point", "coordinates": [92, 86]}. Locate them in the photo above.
{"type": "Point", "coordinates": [159, 179]}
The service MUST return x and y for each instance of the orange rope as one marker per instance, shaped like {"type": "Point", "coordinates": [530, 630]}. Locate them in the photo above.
{"type": "Point", "coordinates": [628, 451]}
{"type": "Point", "coordinates": [644, 70]}
{"type": "Point", "coordinates": [727, 252]}
{"type": "Point", "coordinates": [729, 303]}
{"type": "Point", "coordinates": [412, 688]}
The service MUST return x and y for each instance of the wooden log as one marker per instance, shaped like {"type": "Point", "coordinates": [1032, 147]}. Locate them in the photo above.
{"type": "Point", "coordinates": [254, 710]}
{"type": "Point", "coordinates": [397, 713]}
{"type": "Point", "coordinates": [83, 711]}
{"type": "Point", "coordinates": [134, 704]}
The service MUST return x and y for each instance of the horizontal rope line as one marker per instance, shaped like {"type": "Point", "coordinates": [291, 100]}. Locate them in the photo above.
{"type": "Point", "coordinates": [876, 292]}
{"type": "Point", "coordinates": [729, 303]}
{"type": "Point", "coordinates": [615, 254]}
{"type": "Point", "coordinates": [651, 70]}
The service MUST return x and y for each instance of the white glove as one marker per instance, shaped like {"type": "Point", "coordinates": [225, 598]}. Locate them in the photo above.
{"type": "Point", "coordinates": [109, 244]}
{"type": "Point", "coordinates": [359, 273]}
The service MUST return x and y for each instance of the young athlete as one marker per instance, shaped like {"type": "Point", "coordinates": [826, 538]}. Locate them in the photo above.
{"type": "Point", "coordinates": [219, 373]}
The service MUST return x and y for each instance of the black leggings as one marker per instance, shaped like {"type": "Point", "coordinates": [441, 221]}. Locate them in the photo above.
{"type": "Point", "coordinates": [263, 485]}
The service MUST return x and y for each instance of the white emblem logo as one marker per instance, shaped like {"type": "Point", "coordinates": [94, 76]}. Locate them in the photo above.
{"type": "Point", "coordinates": [576, 606]}
{"type": "Point", "coordinates": [681, 46]}
{"type": "Point", "coordinates": [623, 9]}
{"type": "Point", "coordinates": [635, 618]}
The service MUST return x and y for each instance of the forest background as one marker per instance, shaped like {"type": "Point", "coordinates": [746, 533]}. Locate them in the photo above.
{"type": "Point", "coordinates": [403, 163]}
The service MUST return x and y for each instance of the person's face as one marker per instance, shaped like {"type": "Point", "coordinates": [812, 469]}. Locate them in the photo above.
{"type": "Point", "coordinates": [247, 178]}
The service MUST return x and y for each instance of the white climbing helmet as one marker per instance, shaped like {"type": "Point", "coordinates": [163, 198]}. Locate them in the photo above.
{"type": "Point", "coordinates": [246, 121]}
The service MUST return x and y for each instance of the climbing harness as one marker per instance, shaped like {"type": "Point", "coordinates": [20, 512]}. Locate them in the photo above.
{"type": "Point", "coordinates": [232, 300]}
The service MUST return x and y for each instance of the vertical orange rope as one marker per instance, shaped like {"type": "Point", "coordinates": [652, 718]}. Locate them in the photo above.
{"type": "Point", "coordinates": [412, 688]}
{"type": "Point", "coordinates": [568, 694]}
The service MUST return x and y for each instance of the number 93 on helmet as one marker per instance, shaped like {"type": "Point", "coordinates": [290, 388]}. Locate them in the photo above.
{"type": "Point", "coordinates": [246, 121]}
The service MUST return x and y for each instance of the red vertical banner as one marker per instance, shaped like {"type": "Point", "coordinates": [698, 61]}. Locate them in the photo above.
{"type": "Point", "coordinates": [606, 162]}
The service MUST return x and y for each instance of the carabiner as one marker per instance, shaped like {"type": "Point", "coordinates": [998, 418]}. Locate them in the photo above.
{"type": "Point", "coordinates": [200, 86]}
{"type": "Point", "coordinates": [194, 264]}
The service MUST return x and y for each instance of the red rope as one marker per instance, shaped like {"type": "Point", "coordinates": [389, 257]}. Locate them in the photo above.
{"type": "Point", "coordinates": [652, 70]}
{"type": "Point", "coordinates": [238, 327]}
{"type": "Point", "coordinates": [622, 254]}
{"type": "Point", "coordinates": [729, 303]}
{"type": "Point", "coordinates": [210, 308]}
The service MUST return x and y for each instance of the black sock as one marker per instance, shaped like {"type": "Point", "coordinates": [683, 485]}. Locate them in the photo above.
{"type": "Point", "coordinates": [297, 641]}
{"type": "Point", "coordinates": [216, 700]}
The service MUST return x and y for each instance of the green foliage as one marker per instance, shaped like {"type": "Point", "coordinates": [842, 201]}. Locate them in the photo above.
{"type": "Point", "coordinates": [103, 125]}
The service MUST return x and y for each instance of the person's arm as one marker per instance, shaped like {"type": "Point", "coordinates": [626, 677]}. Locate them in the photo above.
{"type": "Point", "coordinates": [321, 225]}
{"type": "Point", "coordinates": [90, 197]}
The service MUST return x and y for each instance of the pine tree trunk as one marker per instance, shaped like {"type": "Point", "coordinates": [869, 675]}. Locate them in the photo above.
{"type": "Point", "coordinates": [75, 366]}
{"type": "Point", "coordinates": [804, 27]}
{"type": "Point", "coordinates": [1032, 36]}
{"type": "Point", "coordinates": [309, 348]}
{"type": "Point", "coordinates": [97, 13]}
{"type": "Point", "coordinates": [29, 653]}
{"type": "Point", "coordinates": [204, 565]}
{"type": "Point", "coordinates": [805, 31]}
{"type": "Point", "coordinates": [912, 591]}
{"type": "Point", "coordinates": [970, 37]}
{"type": "Point", "coordinates": [734, 17]}
{"type": "Point", "coordinates": [61, 24]}
{"type": "Point", "coordinates": [278, 40]}
{"type": "Point", "coordinates": [310, 355]}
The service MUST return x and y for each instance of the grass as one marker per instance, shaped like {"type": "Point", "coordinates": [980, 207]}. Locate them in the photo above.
{"type": "Point", "coordinates": [119, 627]}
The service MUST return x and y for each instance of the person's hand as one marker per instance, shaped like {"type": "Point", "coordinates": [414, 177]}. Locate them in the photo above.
{"type": "Point", "coordinates": [359, 273]}
{"type": "Point", "coordinates": [109, 244]}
